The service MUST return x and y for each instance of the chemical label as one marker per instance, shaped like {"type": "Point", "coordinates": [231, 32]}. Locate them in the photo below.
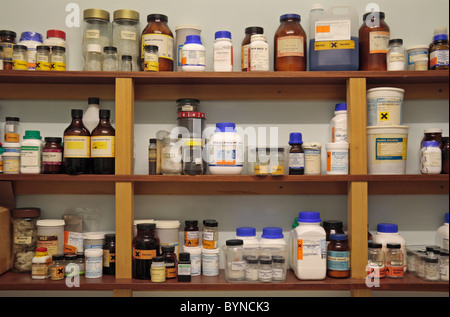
{"type": "Point", "coordinates": [94, 266]}
{"type": "Point", "coordinates": [11, 165]}
{"type": "Point", "coordinates": [12, 137]}
{"type": "Point", "coordinates": [191, 238]}
{"type": "Point", "coordinates": [310, 249]}
{"type": "Point", "coordinates": [384, 111]}
{"type": "Point", "coordinates": [244, 56]}
{"type": "Point", "coordinates": [334, 45]}
{"type": "Point", "coordinates": [193, 58]}
{"type": "Point", "coordinates": [375, 270]}
{"type": "Point", "coordinates": [108, 258]}
{"type": "Point", "coordinates": [171, 270]}
{"type": "Point", "coordinates": [43, 65]}
{"type": "Point", "coordinates": [57, 272]}
{"type": "Point", "coordinates": [102, 146]}
{"type": "Point", "coordinates": [379, 42]}
{"type": "Point", "coordinates": [390, 148]}
{"type": "Point", "coordinates": [259, 58]}
{"type": "Point", "coordinates": [291, 45]}
{"type": "Point", "coordinates": [414, 56]}
{"type": "Point", "coordinates": [58, 66]}
{"type": "Point", "coordinates": [151, 62]}
{"type": "Point", "coordinates": [338, 260]}
{"type": "Point", "coordinates": [8, 51]}
{"type": "Point", "coordinates": [338, 30]}
{"type": "Point", "coordinates": [73, 241]}
{"type": "Point", "coordinates": [92, 34]}
{"type": "Point", "coordinates": [52, 157]}
{"type": "Point", "coordinates": [77, 146]}
{"type": "Point", "coordinates": [143, 254]}
{"type": "Point", "coordinates": [48, 241]}
{"type": "Point", "coordinates": [394, 271]}
{"type": "Point", "coordinates": [128, 35]}
{"type": "Point", "coordinates": [163, 41]}
{"type": "Point", "coordinates": [337, 161]}
{"type": "Point", "coordinates": [227, 154]}
{"type": "Point", "coordinates": [19, 64]}
{"type": "Point", "coordinates": [30, 156]}
{"type": "Point", "coordinates": [296, 160]}
{"type": "Point", "coordinates": [223, 57]}
{"type": "Point", "coordinates": [439, 58]}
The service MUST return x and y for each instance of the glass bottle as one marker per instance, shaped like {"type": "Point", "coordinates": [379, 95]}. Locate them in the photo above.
{"type": "Point", "coordinates": [246, 44]}
{"type": "Point", "coordinates": [109, 254]}
{"type": "Point", "coordinates": [103, 145]}
{"type": "Point", "coordinates": [81, 262]}
{"type": "Point", "coordinates": [394, 261]}
{"type": "Point", "coordinates": [265, 269]}
{"type": "Point", "coordinates": [210, 234]}
{"type": "Point", "coordinates": [374, 35]}
{"type": "Point", "coordinates": [251, 268]}
{"type": "Point", "coordinates": [184, 267]}
{"type": "Point", "coordinates": [146, 246]}
{"type": "Point", "coordinates": [58, 58]}
{"type": "Point", "coordinates": [376, 261]}
{"type": "Point", "coordinates": [93, 58]}
{"type": "Point", "coordinates": [43, 58]}
{"type": "Point", "coordinates": [278, 268]}
{"type": "Point", "coordinates": [12, 129]}
{"type": "Point", "coordinates": [158, 33]}
{"type": "Point", "coordinates": [110, 60]}
{"type": "Point", "coordinates": [158, 270]}
{"type": "Point", "coordinates": [439, 53]}
{"type": "Point", "coordinates": [296, 155]}
{"type": "Point", "coordinates": [432, 135]}
{"type": "Point", "coordinates": [1, 57]}
{"type": "Point", "coordinates": [191, 233]}
{"type": "Point", "coordinates": [70, 264]}
{"type": "Point", "coordinates": [170, 259]}
{"type": "Point", "coordinates": [234, 260]}
{"type": "Point", "coordinates": [396, 58]}
{"type": "Point", "coordinates": [126, 65]}
{"type": "Point", "coordinates": [432, 269]}
{"type": "Point", "coordinates": [52, 156]}
{"type": "Point", "coordinates": [171, 157]}
{"type": "Point", "coordinates": [20, 57]}
{"type": "Point", "coordinates": [152, 157]}
{"type": "Point", "coordinates": [188, 105]}
{"type": "Point", "coordinates": [151, 58]}
{"type": "Point", "coordinates": [444, 266]}
{"type": "Point", "coordinates": [126, 34]}
{"type": "Point", "coordinates": [290, 44]}
{"type": "Point", "coordinates": [338, 256]}
{"type": "Point", "coordinates": [96, 29]}
{"type": "Point", "coordinates": [77, 146]}
{"type": "Point", "coordinates": [7, 41]}
{"type": "Point", "coordinates": [57, 267]}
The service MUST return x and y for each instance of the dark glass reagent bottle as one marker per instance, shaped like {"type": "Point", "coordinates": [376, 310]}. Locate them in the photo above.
{"type": "Point", "coordinates": [105, 162]}
{"type": "Point", "coordinates": [145, 247]}
{"type": "Point", "coordinates": [79, 164]}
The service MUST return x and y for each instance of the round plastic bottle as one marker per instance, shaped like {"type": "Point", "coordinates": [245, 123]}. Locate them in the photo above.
{"type": "Point", "coordinates": [251, 241]}
{"type": "Point", "coordinates": [223, 52]}
{"type": "Point", "coordinates": [246, 45]}
{"type": "Point", "coordinates": [31, 153]}
{"type": "Point", "coordinates": [338, 125]}
{"type": "Point", "coordinates": [388, 233]}
{"type": "Point", "coordinates": [309, 247]}
{"type": "Point", "coordinates": [258, 53]}
{"type": "Point", "coordinates": [226, 150]}
{"type": "Point", "coordinates": [272, 242]}
{"type": "Point", "coordinates": [193, 55]}
{"type": "Point", "coordinates": [442, 234]}
{"type": "Point", "coordinates": [31, 40]}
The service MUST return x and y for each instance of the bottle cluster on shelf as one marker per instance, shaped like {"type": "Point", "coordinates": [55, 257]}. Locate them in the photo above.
{"type": "Point", "coordinates": [336, 42]}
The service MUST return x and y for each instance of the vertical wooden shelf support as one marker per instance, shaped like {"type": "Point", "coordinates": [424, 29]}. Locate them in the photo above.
{"type": "Point", "coordinates": [124, 190]}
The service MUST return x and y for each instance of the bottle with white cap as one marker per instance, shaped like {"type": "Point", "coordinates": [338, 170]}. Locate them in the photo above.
{"type": "Point", "coordinates": [93, 58]}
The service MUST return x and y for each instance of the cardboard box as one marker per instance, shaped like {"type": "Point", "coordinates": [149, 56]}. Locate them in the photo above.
{"type": "Point", "coordinates": [5, 240]}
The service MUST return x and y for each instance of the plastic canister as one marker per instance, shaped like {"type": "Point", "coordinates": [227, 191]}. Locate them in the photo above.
{"type": "Point", "coordinates": [226, 150]}
{"type": "Point", "coordinates": [193, 55]}
{"type": "Point", "coordinates": [11, 158]}
{"type": "Point", "coordinates": [387, 149]}
{"type": "Point", "coordinates": [93, 240]}
{"type": "Point", "coordinates": [415, 53]}
{"type": "Point", "coordinates": [272, 242]}
{"type": "Point", "coordinates": [181, 31]}
{"type": "Point", "coordinates": [334, 44]}
{"type": "Point", "coordinates": [196, 259]}
{"type": "Point", "coordinates": [384, 106]}
{"type": "Point", "coordinates": [58, 38]}
{"type": "Point", "coordinates": [94, 263]}
{"type": "Point", "coordinates": [442, 234]}
{"type": "Point", "coordinates": [338, 125]}
{"type": "Point", "coordinates": [388, 233]}
{"type": "Point", "coordinates": [168, 233]}
{"type": "Point", "coordinates": [210, 261]}
{"type": "Point", "coordinates": [251, 241]}
{"type": "Point", "coordinates": [337, 158]}
{"type": "Point", "coordinates": [50, 235]}
{"type": "Point", "coordinates": [308, 242]}
{"type": "Point", "coordinates": [31, 40]}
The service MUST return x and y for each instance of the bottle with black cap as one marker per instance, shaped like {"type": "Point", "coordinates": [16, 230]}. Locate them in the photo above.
{"type": "Point", "coordinates": [184, 267]}
{"type": "Point", "coordinates": [77, 146]}
{"type": "Point", "coordinates": [103, 145]}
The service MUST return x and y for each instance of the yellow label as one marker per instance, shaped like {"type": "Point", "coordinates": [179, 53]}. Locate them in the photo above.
{"type": "Point", "coordinates": [43, 66]}
{"type": "Point", "coordinates": [143, 254]}
{"type": "Point", "coordinates": [151, 66]}
{"type": "Point", "coordinates": [57, 272]}
{"type": "Point", "coordinates": [58, 66]}
{"type": "Point", "coordinates": [102, 146]}
{"type": "Point", "coordinates": [77, 146]}
{"type": "Point", "coordinates": [158, 274]}
{"type": "Point", "coordinates": [334, 45]}
{"type": "Point", "coordinates": [12, 137]}
{"type": "Point", "coordinates": [19, 64]}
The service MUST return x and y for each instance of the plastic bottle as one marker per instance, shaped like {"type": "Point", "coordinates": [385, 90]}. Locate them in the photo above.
{"type": "Point", "coordinates": [31, 40]}
{"type": "Point", "coordinates": [226, 149]}
{"type": "Point", "coordinates": [430, 158]}
{"type": "Point", "coordinates": [272, 242]}
{"type": "Point", "coordinates": [258, 54]}
{"type": "Point", "coordinates": [58, 38]}
{"type": "Point", "coordinates": [338, 125]}
{"type": "Point", "coordinates": [223, 52]}
{"type": "Point", "coordinates": [388, 233]}
{"type": "Point", "coordinates": [309, 247]}
{"type": "Point", "coordinates": [91, 116]}
{"type": "Point", "coordinates": [251, 241]}
{"type": "Point", "coordinates": [40, 264]}
{"type": "Point", "coordinates": [442, 234]}
{"type": "Point", "coordinates": [31, 153]}
{"type": "Point", "coordinates": [193, 55]}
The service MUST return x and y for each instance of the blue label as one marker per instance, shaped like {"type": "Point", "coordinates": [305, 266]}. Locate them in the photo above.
{"type": "Point", "coordinates": [338, 260]}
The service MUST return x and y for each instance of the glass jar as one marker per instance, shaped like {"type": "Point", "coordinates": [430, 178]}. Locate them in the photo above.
{"type": "Point", "coordinates": [20, 57]}
{"type": "Point", "coordinates": [127, 63]}
{"type": "Point", "coordinates": [151, 58]}
{"type": "Point", "coordinates": [58, 58]}
{"type": "Point", "coordinates": [191, 233]}
{"type": "Point", "coordinates": [24, 237]}
{"type": "Point", "coordinates": [210, 234]}
{"type": "Point", "coordinates": [376, 261]}
{"type": "Point", "coordinates": [252, 30]}
{"type": "Point", "coordinates": [81, 262]}
{"type": "Point", "coordinates": [93, 58]}
{"type": "Point", "coordinates": [267, 161]}
{"type": "Point", "coordinates": [146, 246]}
{"type": "Point", "coordinates": [234, 260]}
{"type": "Point", "coordinates": [43, 58]}
{"type": "Point", "coordinates": [56, 269]}
{"type": "Point", "coordinates": [96, 29]}
{"type": "Point", "coordinates": [432, 269]}
{"type": "Point", "coordinates": [171, 157]}
{"type": "Point", "coordinates": [411, 261]}
{"type": "Point", "coordinates": [52, 156]}
{"type": "Point", "coordinates": [70, 265]}
{"type": "Point", "coordinates": [432, 135]}
{"type": "Point", "coordinates": [444, 266]}
{"type": "Point", "coordinates": [109, 254]}
{"type": "Point", "coordinates": [445, 155]}
{"type": "Point", "coordinates": [110, 60]}
{"type": "Point", "coordinates": [158, 33]}
{"type": "Point", "coordinates": [126, 34]}
{"type": "Point", "coordinates": [290, 44]}
{"type": "Point", "coordinates": [191, 126]}
{"type": "Point", "coordinates": [278, 268]}
{"type": "Point", "coordinates": [394, 261]}
{"type": "Point", "coordinates": [265, 269]}
{"type": "Point", "coordinates": [374, 35]}
{"type": "Point", "coordinates": [338, 256]}
{"type": "Point", "coordinates": [251, 269]}
{"type": "Point", "coordinates": [12, 130]}
{"type": "Point", "coordinates": [7, 41]}
{"type": "Point", "coordinates": [396, 57]}
{"type": "Point", "coordinates": [188, 105]}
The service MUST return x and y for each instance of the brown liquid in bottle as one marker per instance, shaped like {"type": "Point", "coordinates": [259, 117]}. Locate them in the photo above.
{"type": "Point", "coordinates": [157, 26]}
{"type": "Point", "coordinates": [103, 145]}
{"type": "Point", "coordinates": [374, 35]}
{"type": "Point", "coordinates": [77, 145]}
{"type": "Point", "coordinates": [290, 45]}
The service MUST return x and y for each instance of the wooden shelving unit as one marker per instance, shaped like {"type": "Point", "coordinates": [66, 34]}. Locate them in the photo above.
{"type": "Point", "coordinates": [127, 87]}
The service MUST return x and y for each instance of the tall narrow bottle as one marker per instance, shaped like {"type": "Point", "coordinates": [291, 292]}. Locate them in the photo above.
{"type": "Point", "coordinates": [77, 146]}
{"type": "Point", "coordinates": [103, 145]}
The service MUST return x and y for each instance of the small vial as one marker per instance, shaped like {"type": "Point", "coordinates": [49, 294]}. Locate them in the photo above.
{"type": "Point", "coordinates": [265, 270]}
{"type": "Point", "coordinates": [278, 269]}
{"type": "Point", "coordinates": [58, 58]}
{"type": "Point", "coordinates": [376, 259]}
{"type": "Point", "coordinates": [432, 272]}
{"type": "Point", "coordinates": [411, 261]}
{"type": "Point", "coordinates": [394, 261]}
{"type": "Point", "coordinates": [151, 58]}
{"type": "Point", "coordinates": [126, 63]}
{"type": "Point", "coordinates": [210, 235]}
{"type": "Point", "coordinates": [251, 269]}
{"type": "Point", "coordinates": [184, 267]}
{"type": "Point", "coordinates": [43, 58]}
{"type": "Point", "coordinates": [158, 270]}
{"type": "Point", "coordinates": [20, 57]}
{"type": "Point", "coordinates": [93, 58]}
{"type": "Point", "coordinates": [57, 267]}
{"type": "Point", "coordinates": [170, 259]}
{"type": "Point", "coordinates": [110, 60]}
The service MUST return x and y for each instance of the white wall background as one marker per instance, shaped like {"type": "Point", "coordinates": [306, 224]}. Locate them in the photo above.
{"type": "Point", "coordinates": [418, 217]}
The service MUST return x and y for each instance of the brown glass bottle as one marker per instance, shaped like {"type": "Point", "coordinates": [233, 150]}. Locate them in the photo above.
{"type": "Point", "coordinates": [439, 53]}
{"type": "Point", "coordinates": [374, 35]}
{"type": "Point", "coordinates": [146, 246]}
{"type": "Point", "coordinates": [77, 146]}
{"type": "Point", "coordinates": [103, 145]}
{"type": "Point", "coordinates": [290, 44]}
{"type": "Point", "coordinates": [338, 256]}
{"type": "Point", "coordinates": [445, 155]}
{"type": "Point", "coordinates": [158, 33]}
{"type": "Point", "coordinates": [7, 41]}
{"type": "Point", "coordinates": [109, 254]}
{"type": "Point", "coordinates": [170, 259]}
{"type": "Point", "coordinates": [191, 233]}
{"type": "Point", "coordinates": [52, 156]}
{"type": "Point", "coordinates": [251, 30]}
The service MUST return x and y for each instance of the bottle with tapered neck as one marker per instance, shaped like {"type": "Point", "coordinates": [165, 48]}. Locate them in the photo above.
{"type": "Point", "coordinates": [103, 145]}
{"type": "Point", "coordinates": [77, 146]}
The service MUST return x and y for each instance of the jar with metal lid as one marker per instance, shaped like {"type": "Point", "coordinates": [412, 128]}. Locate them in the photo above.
{"type": "Point", "coordinates": [374, 36]}
{"type": "Point", "coordinates": [234, 260]}
{"type": "Point", "coordinates": [188, 105]}
{"type": "Point", "coordinates": [43, 57]}
{"type": "Point", "coordinates": [151, 58]}
{"type": "Point", "coordinates": [96, 29]}
{"type": "Point", "coordinates": [58, 58]}
{"type": "Point", "coordinates": [7, 41]}
{"type": "Point", "coordinates": [249, 31]}
{"type": "Point", "coordinates": [52, 155]}
{"type": "Point", "coordinates": [290, 44]}
{"type": "Point", "coordinates": [20, 57]}
{"type": "Point", "coordinates": [24, 237]}
{"type": "Point", "coordinates": [210, 234]}
{"type": "Point", "coordinates": [158, 33]}
{"type": "Point", "coordinates": [338, 256]}
{"type": "Point", "coordinates": [394, 261]}
{"type": "Point", "coordinates": [109, 254]}
{"type": "Point", "coordinates": [57, 268]}
{"type": "Point", "coordinates": [110, 61]}
{"type": "Point", "coordinates": [126, 34]}
{"type": "Point", "coordinates": [12, 130]}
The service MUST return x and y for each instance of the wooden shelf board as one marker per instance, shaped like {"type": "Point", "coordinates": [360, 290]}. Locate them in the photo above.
{"type": "Point", "coordinates": [409, 184]}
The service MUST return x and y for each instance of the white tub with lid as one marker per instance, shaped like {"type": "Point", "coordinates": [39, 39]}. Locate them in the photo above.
{"type": "Point", "coordinates": [93, 240]}
{"type": "Point", "coordinates": [384, 106]}
{"type": "Point", "coordinates": [415, 53]}
{"type": "Point", "coordinates": [168, 233]}
{"type": "Point", "coordinates": [50, 234]}
{"type": "Point", "coordinates": [387, 149]}
{"type": "Point", "coordinates": [337, 158]}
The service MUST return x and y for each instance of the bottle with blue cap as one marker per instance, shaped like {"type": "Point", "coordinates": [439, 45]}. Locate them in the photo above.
{"type": "Point", "coordinates": [388, 233]}
{"type": "Point", "coordinates": [226, 150]}
{"type": "Point", "coordinates": [251, 241]}
{"type": "Point", "coordinates": [430, 158]}
{"type": "Point", "coordinates": [31, 40]}
{"type": "Point", "coordinates": [296, 154]}
{"type": "Point", "coordinates": [272, 243]}
{"type": "Point", "coordinates": [223, 52]}
{"type": "Point", "coordinates": [338, 125]}
{"type": "Point", "coordinates": [439, 53]}
{"type": "Point", "coordinates": [193, 55]}
{"type": "Point", "coordinates": [308, 247]}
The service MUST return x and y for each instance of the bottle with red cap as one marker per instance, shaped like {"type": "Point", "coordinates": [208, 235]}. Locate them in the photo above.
{"type": "Point", "coordinates": [58, 38]}
{"type": "Point", "coordinates": [40, 264]}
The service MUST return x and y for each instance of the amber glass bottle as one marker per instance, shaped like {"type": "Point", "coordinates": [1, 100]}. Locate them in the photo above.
{"type": "Point", "coordinates": [146, 246]}
{"type": "Point", "coordinates": [338, 256]}
{"type": "Point", "coordinates": [251, 30]}
{"type": "Point", "coordinates": [77, 146]}
{"type": "Point", "coordinates": [103, 145]}
{"type": "Point", "coordinates": [439, 53]}
{"type": "Point", "coordinates": [374, 36]}
{"type": "Point", "coordinates": [158, 33]}
{"type": "Point", "coordinates": [290, 44]}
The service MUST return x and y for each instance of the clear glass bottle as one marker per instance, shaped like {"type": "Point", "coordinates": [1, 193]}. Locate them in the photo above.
{"type": "Point", "coordinates": [20, 57]}
{"type": "Point", "coordinates": [126, 34]}
{"type": "Point", "coordinates": [126, 65]}
{"type": "Point", "coordinates": [151, 58]}
{"type": "Point", "coordinates": [210, 234]}
{"type": "Point", "coordinates": [110, 60]}
{"type": "Point", "coordinates": [234, 260]}
{"type": "Point", "coordinates": [70, 264]}
{"type": "Point", "coordinates": [376, 261]}
{"type": "Point", "coordinates": [432, 272]}
{"type": "Point", "coordinates": [265, 272]}
{"type": "Point", "coordinates": [81, 262]}
{"type": "Point", "coordinates": [93, 58]}
{"type": "Point", "coordinates": [58, 58]}
{"type": "Point", "coordinates": [96, 29]}
{"type": "Point", "coordinates": [171, 157]}
{"type": "Point", "coordinates": [57, 267]}
{"type": "Point", "coordinates": [43, 58]}
{"type": "Point", "coordinates": [251, 269]}
{"type": "Point", "coordinates": [12, 130]}
{"type": "Point", "coordinates": [394, 261]}
{"type": "Point", "coordinates": [396, 57]}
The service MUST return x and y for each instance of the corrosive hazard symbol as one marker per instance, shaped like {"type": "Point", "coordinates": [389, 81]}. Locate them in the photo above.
{"type": "Point", "coordinates": [384, 116]}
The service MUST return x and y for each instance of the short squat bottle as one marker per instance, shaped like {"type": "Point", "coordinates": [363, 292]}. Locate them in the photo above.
{"type": "Point", "coordinates": [103, 145]}
{"type": "Point", "coordinates": [77, 146]}
{"type": "Point", "coordinates": [439, 53]}
{"type": "Point", "coordinates": [338, 256]}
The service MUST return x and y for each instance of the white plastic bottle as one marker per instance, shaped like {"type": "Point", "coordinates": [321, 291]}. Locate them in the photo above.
{"type": "Point", "coordinates": [272, 243]}
{"type": "Point", "coordinates": [193, 55]}
{"type": "Point", "coordinates": [226, 150]}
{"type": "Point", "coordinates": [223, 52]}
{"type": "Point", "coordinates": [309, 247]}
{"type": "Point", "coordinates": [251, 241]}
{"type": "Point", "coordinates": [31, 153]}
{"type": "Point", "coordinates": [58, 38]}
{"type": "Point", "coordinates": [442, 234]}
{"type": "Point", "coordinates": [338, 125]}
{"type": "Point", "coordinates": [258, 53]}
{"type": "Point", "coordinates": [31, 40]}
{"type": "Point", "coordinates": [91, 116]}
{"type": "Point", "coordinates": [388, 233]}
